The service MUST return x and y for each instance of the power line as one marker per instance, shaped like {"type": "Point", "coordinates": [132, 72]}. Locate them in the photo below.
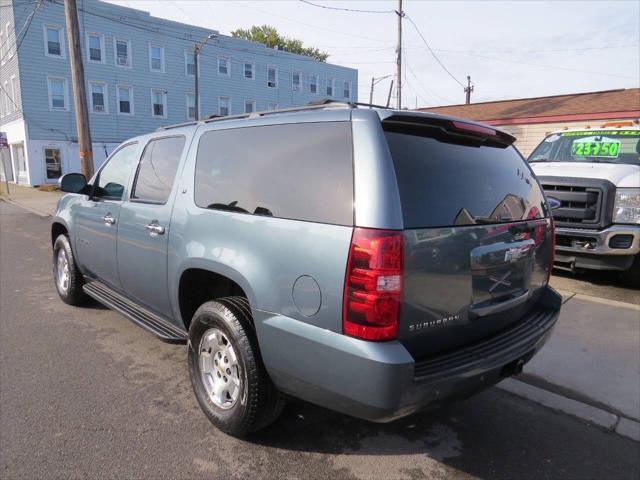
{"type": "Point", "coordinates": [25, 29]}
{"type": "Point", "coordinates": [432, 52]}
{"type": "Point", "coordinates": [547, 66]}
{"type": "Point", "coordinates": [346, 9]}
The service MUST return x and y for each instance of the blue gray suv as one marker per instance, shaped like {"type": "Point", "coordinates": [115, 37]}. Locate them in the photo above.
{"type": "Point", "coordinates": [372, 261]}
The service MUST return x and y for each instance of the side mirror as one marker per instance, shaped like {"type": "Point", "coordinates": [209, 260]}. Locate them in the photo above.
{"type": "Point", "coordinates": [72, 183]}
{"type": "Point", "coordinates": [553, 203]}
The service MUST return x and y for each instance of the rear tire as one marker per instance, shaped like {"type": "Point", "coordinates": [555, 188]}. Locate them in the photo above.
{"type": "Point", "coordinates": [66, 274]}
{"type": "Point", "coordinates": [631, 277]}
{"type": "Point", "coordinates": [227, 374]}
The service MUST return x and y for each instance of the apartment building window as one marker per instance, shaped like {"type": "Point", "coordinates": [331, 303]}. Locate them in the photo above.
{"type": "Point", "coordinates": [330, 85]}
{"type": "Point", "coordinates": [58, 93]}
{"type": "Point", "coordinates": [98, 96]}
{"type": "Point", "coordinates": [191, 106]}
{"type": "Point", "coordinates": [95, 50]}
{"type": "Point", "coordinates": [272, 76]}
{"type": "Point", "coordinates": [313, 84]}
{"type": "Point", "coordinates": [122, 52]}
{"type": "Point", "coordinates": [11, 42]}
{"type": "Point", "coordinates": [3, 104]}
{"type": "Point", "coordinates": [158, 103]}
{"type": "Point", "coordinates": [249, 69]}
{"type": "Point", "coordinates": [125, 99]}
{"type": "Point", "coordinates": [224, 67]}
{"type": "Point", "coordinates": [249, 106]}
{"type": "Point", "coordinates": [9, 100]}
{"type": "Point", "coordinates": [53, 41]}
{"type": "Point", "coordinates": [189, 63]}
{"type": "Point", "coordinates": [346, 89]}
{"type": "Point", "coordinates": [14, 93]}
{"type": "Point", "coordinates": [296, 80]}
{"type": "Point", "coordinates": [156, 57]}
{"type": "Point", "coordinates": [224, 106]}
{"type": "Point", "coordinates": [272, 106]}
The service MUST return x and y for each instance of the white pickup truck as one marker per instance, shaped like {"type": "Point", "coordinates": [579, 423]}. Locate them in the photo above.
{"type": "Point", "coordinates": [594, 174]}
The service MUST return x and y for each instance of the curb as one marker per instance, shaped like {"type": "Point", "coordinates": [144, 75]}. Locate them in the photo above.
{"type": "Point", "coordinates": [20, 205]}
{"type": "Point", "coordinates": [597, 416]}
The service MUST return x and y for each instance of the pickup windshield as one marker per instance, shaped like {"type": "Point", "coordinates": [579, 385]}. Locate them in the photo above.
{"type": "Point", "coordinates": [590, 146]}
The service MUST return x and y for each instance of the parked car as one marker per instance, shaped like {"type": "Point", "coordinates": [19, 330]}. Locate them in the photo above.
{"type": "Point", "coordinates": [372, 261]}
{"type": "Point", "coordinates": [595, 175]}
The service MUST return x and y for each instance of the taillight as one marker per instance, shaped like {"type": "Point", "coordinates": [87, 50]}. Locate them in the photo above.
{"type": "Point", "coordinates": [373, 285]}
{"type": "Point", "coordinates": [552, 253]}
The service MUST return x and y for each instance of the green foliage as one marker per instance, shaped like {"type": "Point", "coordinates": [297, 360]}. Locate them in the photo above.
{"type": "Point", "coordinates": [270, 37]}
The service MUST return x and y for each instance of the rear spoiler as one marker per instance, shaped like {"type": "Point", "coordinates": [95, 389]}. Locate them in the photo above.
{"type": "Point", "coordinates": [463, 129]}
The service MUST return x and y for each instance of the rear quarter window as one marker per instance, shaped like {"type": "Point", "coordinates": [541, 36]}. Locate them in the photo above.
{"type": "Point", "coordinates": [294, 171]}
{"type": "Point", "coordinates": [444, 183]}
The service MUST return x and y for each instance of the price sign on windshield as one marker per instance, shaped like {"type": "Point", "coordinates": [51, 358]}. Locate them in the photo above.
{"type": "Point", "coordinates": [595, 147]}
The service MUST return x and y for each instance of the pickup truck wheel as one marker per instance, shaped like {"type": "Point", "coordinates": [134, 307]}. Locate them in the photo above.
{"type": "Point", "coordinates": [632, 276]}
{"type": "Point", "coordinates": [226, 370]}
{"type": "Point", "coordinates": [68, 278]}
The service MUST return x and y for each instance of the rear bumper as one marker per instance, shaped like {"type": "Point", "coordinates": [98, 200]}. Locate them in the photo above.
{"type": "Point", "coordinates": [381, 381]}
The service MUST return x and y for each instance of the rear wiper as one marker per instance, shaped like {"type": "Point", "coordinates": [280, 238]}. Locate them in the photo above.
{"type": "Point", "coordinates": [539, 160]}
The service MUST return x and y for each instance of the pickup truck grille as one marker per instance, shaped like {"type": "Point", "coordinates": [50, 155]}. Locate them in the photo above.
{"type": "Point", "coordinates": [578, 205]}
{"type": "Point", "coordinates": [584, 202]}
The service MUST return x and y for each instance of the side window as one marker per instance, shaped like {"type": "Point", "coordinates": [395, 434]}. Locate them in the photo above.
{"type": "Point", "coordinates": [296, 171]}
{"type": "Point", "coordinates": [157, 169]}
{"type": "Point", "coordinates": [114, 175]}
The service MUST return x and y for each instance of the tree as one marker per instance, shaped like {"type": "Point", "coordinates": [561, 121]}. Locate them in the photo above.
{"type": "Point", "coordinates": [271, 38]}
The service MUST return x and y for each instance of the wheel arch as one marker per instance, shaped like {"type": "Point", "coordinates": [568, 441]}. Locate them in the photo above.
{"type": "Point", "coordinates": [200, 282]}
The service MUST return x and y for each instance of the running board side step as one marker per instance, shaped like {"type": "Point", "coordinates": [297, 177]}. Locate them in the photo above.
{"type": "Point", "coordinates": [138, 315]}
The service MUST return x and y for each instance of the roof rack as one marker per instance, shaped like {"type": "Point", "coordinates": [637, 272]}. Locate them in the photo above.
{"type": "Point", "coordinates": [325, 103]}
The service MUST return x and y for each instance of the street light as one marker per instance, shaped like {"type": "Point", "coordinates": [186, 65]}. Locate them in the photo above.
{"type": "Point", "coordinates": [374, 81]}
{"type": "Point", "coordinates": [196, 51]}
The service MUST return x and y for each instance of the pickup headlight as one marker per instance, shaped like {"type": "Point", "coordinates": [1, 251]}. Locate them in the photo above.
{"type": "Point", "coordinates": [626, 208]}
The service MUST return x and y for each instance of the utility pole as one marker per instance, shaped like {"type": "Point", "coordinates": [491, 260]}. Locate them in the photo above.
{"type": "Point", "coordinates": [400, 14]}
{"type": "Point", "coordinates": [468, 89]}
{"type": "Point", "coordinates": [79, 93]}
{"type": "Point", "coordinates": [196, 54]}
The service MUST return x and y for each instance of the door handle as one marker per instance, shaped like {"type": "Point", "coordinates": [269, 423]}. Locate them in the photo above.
{"type": "Point", "coordinates": [109, 220]}
{"type": "Point", "coordinates": [154, 228]}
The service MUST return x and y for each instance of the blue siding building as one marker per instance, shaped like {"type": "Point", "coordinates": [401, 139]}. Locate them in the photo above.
{"type": "Point", "coordinates": [139, 75]}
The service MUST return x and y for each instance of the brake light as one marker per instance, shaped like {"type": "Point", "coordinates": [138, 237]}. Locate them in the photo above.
{"type": "Point", "coordinates": [373, 285]}
{"type": "Point", "coordinates": [470, 127]}
{"type": "Point", "coordinates": [552, 254]}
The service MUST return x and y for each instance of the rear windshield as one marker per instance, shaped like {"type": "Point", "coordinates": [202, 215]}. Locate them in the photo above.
{"type": "Point", "coordinates": [443, 183]}
{"type": "Point", "coordinates": [592, 146]}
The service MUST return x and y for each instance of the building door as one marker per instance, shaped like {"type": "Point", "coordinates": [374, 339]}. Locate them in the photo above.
{"type": "Point", "coordinates": [52, 164]}
{"type": "Point", "coordinates": [6, 169]}
{"type": "Point", "coordinates": [19, 162]}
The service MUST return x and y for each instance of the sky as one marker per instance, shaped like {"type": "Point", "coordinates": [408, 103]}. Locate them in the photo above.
{"type": "Point", "coordinates": [511, 49]}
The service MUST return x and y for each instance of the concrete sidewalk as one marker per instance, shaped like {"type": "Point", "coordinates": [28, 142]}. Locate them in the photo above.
{"type": "Point", "coordinates": [32, 199]}
{"type": "Point", "coordinates": [590, 367]}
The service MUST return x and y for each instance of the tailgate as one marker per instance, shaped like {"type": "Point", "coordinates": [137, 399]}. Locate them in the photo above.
{"type": "Point", "coordinates": [466, 283]}
{"type": "Point", "coordinates": [478, 240]}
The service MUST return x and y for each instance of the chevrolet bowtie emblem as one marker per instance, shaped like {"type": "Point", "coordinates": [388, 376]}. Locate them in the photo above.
{"type": "Point", "coordinates": [500, 280]}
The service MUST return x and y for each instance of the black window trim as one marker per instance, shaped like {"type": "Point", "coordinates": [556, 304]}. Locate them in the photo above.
{"type": "Point", "coordinates": [102, 167]}
{"type": "Point", "coordinates": [135, 177]}
{"type": "Point", "coordinates": [226, 128]}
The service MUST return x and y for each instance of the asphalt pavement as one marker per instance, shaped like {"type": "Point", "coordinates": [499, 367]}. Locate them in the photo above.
{"type": "Point", "coordinates": [84, 393]}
